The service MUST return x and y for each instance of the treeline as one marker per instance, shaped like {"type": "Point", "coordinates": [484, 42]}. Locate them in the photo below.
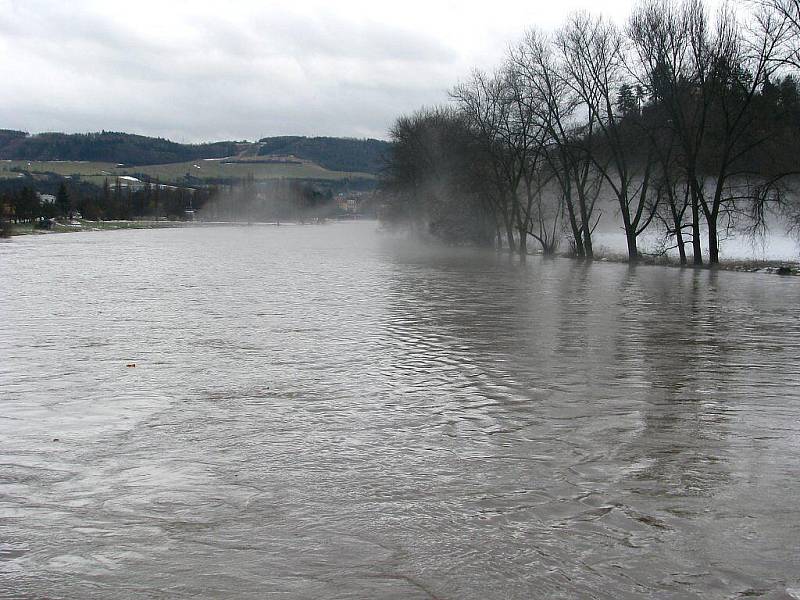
{"type": "Point", "coordinates": [106, 146]}
{"type": "Point", "coordinates": [24, 204]}
{"type": "Point", "coordinates": [270, 201]}
{"type": "Point", "coordinates": [245, 200]}
{"type": "Point", "coordinates": [689, 123]}
{"type": "Point", "coordinates": [336, 154]}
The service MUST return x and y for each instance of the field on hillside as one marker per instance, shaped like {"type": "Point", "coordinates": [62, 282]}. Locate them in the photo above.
{"type": "Point", "coordinates": [97, 172]}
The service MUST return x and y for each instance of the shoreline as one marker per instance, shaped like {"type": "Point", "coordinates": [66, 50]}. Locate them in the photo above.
{"type": "Point", "coordinates": [770, 266]}
{"type": "Point", "coordinates": [739, 265]}
{"type": "Point", "coordinates": [83, 225]}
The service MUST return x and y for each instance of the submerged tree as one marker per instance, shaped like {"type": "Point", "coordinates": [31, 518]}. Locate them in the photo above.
{"type": "Point", "coordinates": [434, 179]}
{"type": "Point", "coordinates": [685, 120]}
{"type": "Point", "coordinates": [569, 137]}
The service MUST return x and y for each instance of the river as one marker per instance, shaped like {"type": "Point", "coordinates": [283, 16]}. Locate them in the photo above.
{"type": "Point", "coordinates": [330, 412]}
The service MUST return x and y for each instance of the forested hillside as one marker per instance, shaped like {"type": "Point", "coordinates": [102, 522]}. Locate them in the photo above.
{"type": "Point", "coordinates": [106, 146]}
{"type": "Point", "coordinates": [337, 154]}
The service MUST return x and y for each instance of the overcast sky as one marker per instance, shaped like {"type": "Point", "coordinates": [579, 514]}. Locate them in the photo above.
{"type": "Point", "coordinates": [210, 70]}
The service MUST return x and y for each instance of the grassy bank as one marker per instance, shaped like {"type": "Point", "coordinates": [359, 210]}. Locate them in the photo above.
{"type": "Point", "coordinates": [86, 225]}
{"type": "Point", "coordinates": [782, 267]}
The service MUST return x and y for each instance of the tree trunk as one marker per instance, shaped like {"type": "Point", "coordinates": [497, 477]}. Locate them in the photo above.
{"type": "Point", "coordinates": [523, 245]}
{"type": "Point", "coordinates": [510, 237]}
{"type": "Point", "coordinates": [630, 233]}
{"type": "Point", "coordinates": [677, 223]}
{"type": "Point", "coordinates": [633, 250]}
{"type": "Point", "coordinates": [697, 250]}
{"type": "Point", "coordinates": [576, 231]}
{"type": "Point", "coordinates": [680, 242]}
{"type": "Point", "coordinates": [586, 231]}
{"type": "Point", "coordinates": [713, 242]}
{"type": "Point", "coordinates": [587, 243]}
{"type": "Point", "coordinates": [579, 251]}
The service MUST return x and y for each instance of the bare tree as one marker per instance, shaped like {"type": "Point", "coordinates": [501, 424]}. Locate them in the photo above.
{"type": "Point", "coordinates": [707, 76]}
{"type": "Point", "coordinates": [593, 57]}
{"type": "Point", "coordinates": [671, 44]}
{"type": "Point", "coordinates": [483, 100]}
{"type": "Point", "coordinates": [567, 139]}
{"type": "Point", "coordinates": [501, 109]}
{"type": "Point", "coordinates": [433, 179]}
{"type": "Point", "coordinates": [788, 12]}
{"type": "Point", "coordinates": [529, 135]}
{"type": "Point", "coordinates": [743, 62]}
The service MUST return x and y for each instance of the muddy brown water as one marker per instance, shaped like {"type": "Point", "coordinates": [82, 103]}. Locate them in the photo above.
{"type": "Point", "coordinates": [329, 412]}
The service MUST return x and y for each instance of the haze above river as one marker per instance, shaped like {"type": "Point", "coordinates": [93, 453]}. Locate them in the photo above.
{"type": "Point", "coordinates": [328, 412]}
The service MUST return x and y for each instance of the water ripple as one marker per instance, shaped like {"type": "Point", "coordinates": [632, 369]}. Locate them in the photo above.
{"type": "Point", "coordinates": [324, 412]}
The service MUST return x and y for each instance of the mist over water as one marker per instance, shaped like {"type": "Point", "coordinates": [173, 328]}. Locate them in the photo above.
{"type": "Point", "coordinates": [328, 412]}
{"type": "Point", "coordinates": [775, 244]}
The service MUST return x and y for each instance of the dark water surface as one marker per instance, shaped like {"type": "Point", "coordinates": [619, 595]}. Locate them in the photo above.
{"type": "Point", "coordinates": [323, 412]}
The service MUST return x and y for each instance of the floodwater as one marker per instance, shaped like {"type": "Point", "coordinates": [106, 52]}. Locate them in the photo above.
{"type": "Point", "coordinates": [327, 412]}
{"type": "Point", "coordinates": [776, 246]}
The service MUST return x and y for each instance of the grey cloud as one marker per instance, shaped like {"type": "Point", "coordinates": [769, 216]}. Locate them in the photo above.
{"type": "Point", "coordinates": [222, 77]}
{"type": "Point", "coordinates": [334, 37]}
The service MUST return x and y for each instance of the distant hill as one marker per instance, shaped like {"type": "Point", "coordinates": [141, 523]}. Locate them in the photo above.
{"type": "Point", "coordinates": [336, 154]}
{"type": "Point", "coordinates": [107, 146]}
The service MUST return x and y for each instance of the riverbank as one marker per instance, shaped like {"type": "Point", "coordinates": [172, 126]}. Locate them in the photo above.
{"type": "Point", "coordinates": [776, 266]}
{"type": "Point", "coordinates": [779, 267]}
{"type": "Point", "coordinates": [76, 225]}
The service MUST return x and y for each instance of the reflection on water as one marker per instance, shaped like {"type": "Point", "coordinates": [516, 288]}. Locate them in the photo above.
{"type": "Point", "coordinates": [323, 412]}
